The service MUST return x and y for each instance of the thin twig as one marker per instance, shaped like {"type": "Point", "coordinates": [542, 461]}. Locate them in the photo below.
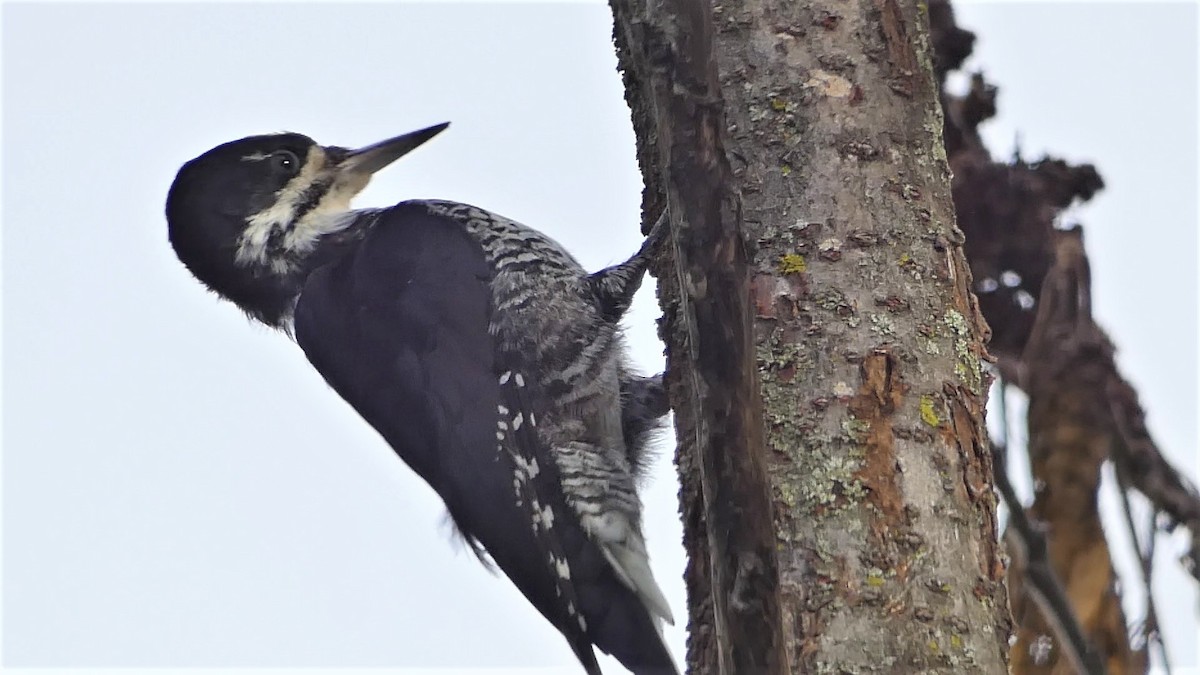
{"type": "Point", "coordinates": [1146, 563]}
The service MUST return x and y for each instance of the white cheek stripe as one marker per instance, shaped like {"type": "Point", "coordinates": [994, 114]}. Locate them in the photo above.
{"type": "Point", "coordinates": [301, 236]}
{"type": "Point", "coordinates": [252, 246]}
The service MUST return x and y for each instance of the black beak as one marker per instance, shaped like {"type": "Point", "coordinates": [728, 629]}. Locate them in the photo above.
{"type": "Point", "coordinates": [374, 157]}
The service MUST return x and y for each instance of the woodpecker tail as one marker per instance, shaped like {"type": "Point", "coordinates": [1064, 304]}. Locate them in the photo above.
{"type": "Point", "coordinates": [627, 632]}
{"type": "Point", "coordinates": [666, 664]}
{"type": "Point", "coordinates": [659, 662]}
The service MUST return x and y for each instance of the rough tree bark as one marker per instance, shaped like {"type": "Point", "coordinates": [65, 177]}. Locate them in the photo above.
{"type": "Point", "coordinates": [847, 524]}
{"type": "Point", "coordinates": [732, 576]}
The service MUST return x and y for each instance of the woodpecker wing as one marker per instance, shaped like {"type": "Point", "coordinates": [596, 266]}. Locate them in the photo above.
{"type": "Point", "coordinates": [399, 328]}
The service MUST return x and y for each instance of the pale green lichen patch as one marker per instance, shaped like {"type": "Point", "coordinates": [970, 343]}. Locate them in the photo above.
{"type": "Point", "coordinates": [957, 323]}
{"type": "Point", "coordinates": [929, 346]}
{"type": "Point", "coordinates": [881, 324]}
{"type": "Point", "coordinates": [854, 429]}
{"type": "Point", "coordinates": [787, 494]}
{"type": "Point", "coordinates": [832, 479]}
{"type": "Point", "coordinates": [778, 354]}
{"type": "Point", "coordinates": [835, 301]}
{"type": "Point", "coordinates": [779, 409]}
{"type": "Point", "coordinates": [793, 430]}
{"type": "Point", "coordinates": [966, 365]}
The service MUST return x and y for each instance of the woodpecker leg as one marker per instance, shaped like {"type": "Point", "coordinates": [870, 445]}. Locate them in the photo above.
{"type": "Point", "coordinates": [644, 398]}
{"type": "Point", "coordinates": [614, 286]}
{"type": "Point", "coordinates": [643, 405]}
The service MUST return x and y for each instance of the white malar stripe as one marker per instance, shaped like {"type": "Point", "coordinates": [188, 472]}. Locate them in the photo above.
{"type": "Point", "coordinates": [330, 214]}
{"type": "Point", "coordinates": [252, 245]}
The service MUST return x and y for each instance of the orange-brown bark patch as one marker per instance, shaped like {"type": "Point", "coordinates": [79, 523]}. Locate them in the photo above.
{"type": "Point", "coordinates": [875, 404]}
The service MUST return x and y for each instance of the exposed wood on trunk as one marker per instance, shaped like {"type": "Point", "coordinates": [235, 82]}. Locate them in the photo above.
{"type": "Point", "coordinates": [733, 581]}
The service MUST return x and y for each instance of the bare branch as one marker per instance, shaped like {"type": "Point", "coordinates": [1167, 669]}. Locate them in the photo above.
{"type": "Point", "coordinates": [1139, 461]}
{"type": "Point", "coordinates": [1150, 626]}
{"type": "Point", "coordinates": [1028, 541]}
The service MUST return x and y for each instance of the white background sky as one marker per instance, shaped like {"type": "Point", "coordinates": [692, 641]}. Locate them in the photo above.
{"type": "Point", "coordinates": [181, 489]}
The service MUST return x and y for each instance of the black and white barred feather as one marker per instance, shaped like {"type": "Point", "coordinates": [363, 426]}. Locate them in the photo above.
{"type": "Point", "coordinates": [479, 349]}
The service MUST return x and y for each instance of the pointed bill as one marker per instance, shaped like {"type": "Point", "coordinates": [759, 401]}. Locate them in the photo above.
{"type": "Point", "coordinates": [374, 157]}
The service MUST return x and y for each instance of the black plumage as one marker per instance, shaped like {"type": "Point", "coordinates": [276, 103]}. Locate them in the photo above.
{"type": "Point", "coordinates": [398, 310]}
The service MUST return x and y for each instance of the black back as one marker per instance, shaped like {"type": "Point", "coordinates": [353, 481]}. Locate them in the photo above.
{"type": "Point", "coordinates": [399, 328]}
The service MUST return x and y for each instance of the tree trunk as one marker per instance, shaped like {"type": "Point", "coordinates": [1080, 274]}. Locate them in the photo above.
{"type": "Point", "coordinates": [847, 524]}
{"type": "Point", "coordinates": [732, 576]}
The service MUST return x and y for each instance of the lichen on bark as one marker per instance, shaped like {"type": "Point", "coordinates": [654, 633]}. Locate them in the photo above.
{"type": "Point", "coordinates": [868, 343]}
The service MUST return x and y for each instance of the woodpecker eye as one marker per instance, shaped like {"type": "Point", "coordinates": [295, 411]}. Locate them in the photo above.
{"type": "Point", "coordinates": [285, 162]}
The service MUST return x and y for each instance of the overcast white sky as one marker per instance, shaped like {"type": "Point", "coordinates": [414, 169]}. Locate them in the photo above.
{"type": "Point", "coordinates": [180, 489]}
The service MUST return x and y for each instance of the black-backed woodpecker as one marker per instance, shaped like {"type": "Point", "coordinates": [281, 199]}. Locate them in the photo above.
{"type": "Point", "coordinates": [480, 350]}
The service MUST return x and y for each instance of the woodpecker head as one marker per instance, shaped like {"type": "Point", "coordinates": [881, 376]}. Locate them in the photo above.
{"type": "Point", "coordinates": [247, 217]}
